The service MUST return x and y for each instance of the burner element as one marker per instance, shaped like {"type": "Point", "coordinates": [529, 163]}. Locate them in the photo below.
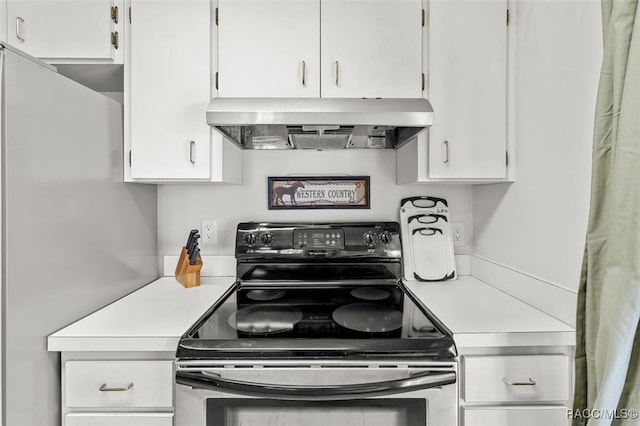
{"type": "Point", "coordinates": [370, 293]}
{"type": "Point", "coordinates": [368, 317]}
{"type": "Point", "coordinates": [264, 295]}
{"type": "Point", "coordinates": [265, 319]}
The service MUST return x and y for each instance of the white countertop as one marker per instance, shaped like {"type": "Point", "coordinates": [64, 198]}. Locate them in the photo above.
{"type": "Point", "coordinates": [150, 319]}
{"type": "Point", "coordinates": [479, 315]}
{"type": "Point", "coordinates": [154, 317]}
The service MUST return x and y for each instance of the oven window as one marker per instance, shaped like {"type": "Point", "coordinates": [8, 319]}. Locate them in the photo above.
{"type": "Point", "coordinates": [356, 412]}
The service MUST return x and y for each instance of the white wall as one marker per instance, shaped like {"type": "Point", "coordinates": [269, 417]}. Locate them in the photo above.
{"type": "Point", "coordinates": [537, 225]}
{"type": "Point", "coordinates": [182, 207]}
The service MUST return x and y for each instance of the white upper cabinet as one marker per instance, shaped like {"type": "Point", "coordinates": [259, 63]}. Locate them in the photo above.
{"type": "Point", "coordinates": [269, 48]}
{"type": "Point", "coordinates": [466, 59]}
{"type": "Point", "coordinates": [320, 48]}
{"type": "Point", "coordinates": [167, 90]}
{"type": "Point", "coordinates": [371, 48]}
{"type": "Point", "coordinates": [467, 87]}
{"type": "Point", "coordinates": [67, 30]}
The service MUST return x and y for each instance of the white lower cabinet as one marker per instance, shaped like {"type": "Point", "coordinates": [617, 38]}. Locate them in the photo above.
{"type": "Point", "coordinates": [515, 416]}
{"type": "Point", "coordinates": [119, 384]}
{"type": "Point", "coordinates": [516, 378]}
{"type": "Point", "coordinates": [117, 389]}
{"type": "Point", "coordinates": [119, 419]}
{"type": "Point", "coordinates": [515, 386]}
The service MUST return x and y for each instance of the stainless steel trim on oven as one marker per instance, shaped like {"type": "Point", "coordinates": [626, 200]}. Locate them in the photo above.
{"type": "Point", "coordinates": [420, 380]}
{"type": "Point", "coordinates": [315, 381]}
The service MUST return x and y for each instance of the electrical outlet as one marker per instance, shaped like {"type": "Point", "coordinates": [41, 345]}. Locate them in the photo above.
{"type": "Point", "coordinates": [458, 234]}
{"type": "Point", "coordinates": [209, 232]}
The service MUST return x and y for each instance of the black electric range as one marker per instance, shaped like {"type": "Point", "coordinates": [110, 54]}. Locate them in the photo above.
{"type": "Point", "coordinates": [329, 290]}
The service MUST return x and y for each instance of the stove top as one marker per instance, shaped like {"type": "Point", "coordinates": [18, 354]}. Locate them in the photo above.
{"type": "Point", "coordinates": [317, 291]}
{"type": "Point", "coordinates": [324, 320]}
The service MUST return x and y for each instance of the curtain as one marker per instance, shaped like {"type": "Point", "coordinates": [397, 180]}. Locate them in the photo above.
{"type": "Point", "coordinates": [608, 343]}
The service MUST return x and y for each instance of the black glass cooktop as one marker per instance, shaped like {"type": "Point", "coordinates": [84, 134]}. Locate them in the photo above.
{"type": "Point", "coordinates": [316, 320]}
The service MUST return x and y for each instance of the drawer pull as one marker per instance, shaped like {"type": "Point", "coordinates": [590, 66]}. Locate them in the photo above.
{"type": "Point", "coordinates": [104, 388]}
{"type": "Point", "coordinates": [531, 382]}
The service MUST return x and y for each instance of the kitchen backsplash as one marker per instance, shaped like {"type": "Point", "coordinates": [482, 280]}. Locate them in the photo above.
{"type": "Point", "coordinates": [183, 207]}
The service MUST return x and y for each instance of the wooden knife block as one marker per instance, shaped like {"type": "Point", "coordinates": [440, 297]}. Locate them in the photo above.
{"type": "Point", "coordinates": [188, 275]}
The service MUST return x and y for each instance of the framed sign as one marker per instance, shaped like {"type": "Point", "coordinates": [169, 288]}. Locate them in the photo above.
{"type": "Point", "coordinates": [318, 192]}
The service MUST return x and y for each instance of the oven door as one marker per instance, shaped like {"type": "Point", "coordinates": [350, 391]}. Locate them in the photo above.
{"type": "Point", "coordinates": [317, 395]}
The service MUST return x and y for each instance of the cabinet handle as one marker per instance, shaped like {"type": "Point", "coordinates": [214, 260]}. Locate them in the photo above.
{"type": "Point", "coordinates": [531, 382]}
{"type": "Point", "coordinates": [105, 388]}
{"type": "Point", "coordinates": [19, 22]}
{"type": "Point", "coordinates": [304, 72]}
{"type": "Point", "coordinates": [446, 152]}
{"type": "Point", "coordinates": [192, 152]}
{"type": "Point", "coordinates": [337, 72]}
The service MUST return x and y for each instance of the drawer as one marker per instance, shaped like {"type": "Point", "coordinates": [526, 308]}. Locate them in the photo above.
{"type": "Point", "coordinates": [511, 378]}
{"type": "Point", "coordinates": [521, 416]}
{"type": "Point", "coordinates": [123, 383]}
{"type": "Point", "coordinates": [119, 419]}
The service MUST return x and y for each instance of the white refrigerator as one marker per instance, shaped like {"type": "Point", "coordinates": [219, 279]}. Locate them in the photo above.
{"type": "Point", "coordinates": [74, 236]}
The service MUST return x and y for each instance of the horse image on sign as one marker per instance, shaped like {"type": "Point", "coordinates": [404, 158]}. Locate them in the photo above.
{"type": "Point", "coordinates": [280, 191]}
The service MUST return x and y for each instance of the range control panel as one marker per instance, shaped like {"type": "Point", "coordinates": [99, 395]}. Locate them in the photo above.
{"type": "Point", "coordinates": [319, 239]}
{"type": "Point", "coordinates": [291, 240]}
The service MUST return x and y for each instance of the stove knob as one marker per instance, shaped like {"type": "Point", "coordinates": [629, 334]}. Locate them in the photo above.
{"type": "Point", "coordinates": [266, 239]}
{"type": "Point", "coordinates": [250, 238]}
{"type": "Point", "coordinates": [368, 238]}
{"type": "Point", "coordinates": [385, 237]}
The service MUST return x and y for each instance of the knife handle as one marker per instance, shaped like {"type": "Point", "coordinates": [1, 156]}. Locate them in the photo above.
{"type": "Point", "coordinates": [194, 243]}
{"type": "Point", "coordinates": [193, 256]}
{"type": "Point", "coordinates": [192, 233]}
{"type": "Point", "coordinates": [193, 237]}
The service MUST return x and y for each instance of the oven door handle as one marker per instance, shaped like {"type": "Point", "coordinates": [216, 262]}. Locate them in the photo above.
{"type": "Point", "coordinates": [213, 381]}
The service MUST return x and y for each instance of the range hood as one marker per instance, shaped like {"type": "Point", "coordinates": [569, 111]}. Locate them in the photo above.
{"type": "Point", "coordinates": [319, 123]}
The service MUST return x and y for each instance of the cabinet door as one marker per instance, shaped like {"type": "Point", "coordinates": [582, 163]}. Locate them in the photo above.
{"type": "Point", "coordinates": [62, 29]}
{"type": "Point", "coordinates": [269, 48]}
{"type": "Point", "coordinates": [371, 48]}
{"type": "Point", "coordinates": [520, 416]}
{"type": "Point", "coordinates": [119, 419]}
{"type": "Point", "coordinates": [170, 87]}
{"type": "Point", "coordinates": [468, 88]}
